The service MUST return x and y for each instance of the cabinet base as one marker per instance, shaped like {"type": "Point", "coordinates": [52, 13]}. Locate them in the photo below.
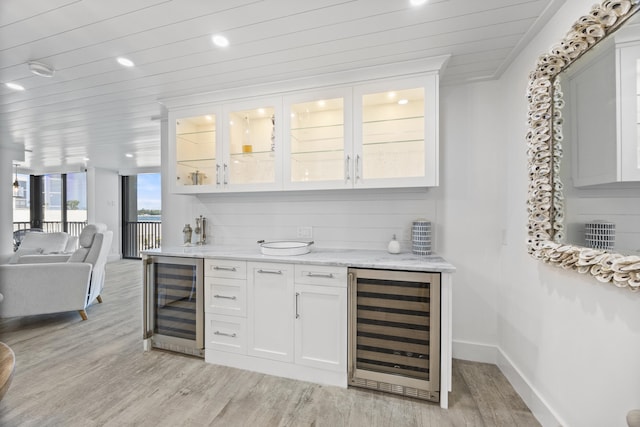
{"type": "Point", "coordinates": [276, 368]}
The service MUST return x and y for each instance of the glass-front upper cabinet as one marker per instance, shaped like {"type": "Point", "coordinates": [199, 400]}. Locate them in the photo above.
{"type": "Point", "coordinates": [317, 140]}
{"type": "Point", "coordinates": [195, 150]}
{"type": "Point", "coordinates": [396, 133]}
{"type": "Point", "coordinates": [252, 159]}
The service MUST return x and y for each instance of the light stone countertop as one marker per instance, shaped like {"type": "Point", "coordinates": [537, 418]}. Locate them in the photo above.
{"type": "Point", "coordinates": [360, 258]}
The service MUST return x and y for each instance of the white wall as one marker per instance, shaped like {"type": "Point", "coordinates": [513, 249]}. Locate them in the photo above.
{"type": "Point", "coordinates": [576, 341]}
{"type": "Point", "coordinates": [103, 204]}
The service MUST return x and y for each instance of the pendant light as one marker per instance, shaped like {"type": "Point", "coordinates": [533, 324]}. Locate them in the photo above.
{"type": "Point", "coordinates": [16, 184]}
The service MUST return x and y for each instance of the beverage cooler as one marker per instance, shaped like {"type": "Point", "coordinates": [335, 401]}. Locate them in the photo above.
{"type": "Point", "coordinates": [394, 332]}
{"type": "Point", "coordinates": [173, 317]}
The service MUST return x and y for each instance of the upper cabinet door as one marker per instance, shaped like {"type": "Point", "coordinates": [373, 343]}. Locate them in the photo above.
{"type": "Point", "coordinates": [252, 158]}
{"type": "Point", "coordinates": [396, 133]}
{"type": "Point", "coordinates": [317, 140]}
{"type": "Point", "coordinates": [194, 149]}
{"type": "Point", "coordinates": [629, 142]}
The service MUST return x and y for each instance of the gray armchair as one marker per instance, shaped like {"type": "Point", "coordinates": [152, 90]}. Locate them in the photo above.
{"type": "Point", "coordinates": [43, 287]}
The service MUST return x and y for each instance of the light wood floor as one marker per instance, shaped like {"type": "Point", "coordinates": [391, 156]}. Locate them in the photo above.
{"type": "Point", "coordinates": [95, 373]}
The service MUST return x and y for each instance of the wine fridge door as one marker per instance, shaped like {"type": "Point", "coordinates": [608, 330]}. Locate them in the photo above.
{"type": "Point", "coordinates": [394, 335]}
{"type": "Point", "coordinates": [174, 314]}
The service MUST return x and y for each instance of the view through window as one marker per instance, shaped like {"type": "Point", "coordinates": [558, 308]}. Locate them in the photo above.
{"type": "Point", "coordinates": [141, 213]}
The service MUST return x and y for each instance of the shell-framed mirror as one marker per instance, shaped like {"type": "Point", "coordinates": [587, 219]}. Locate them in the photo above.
{"type": "Point", "coordinates": [545, 203]}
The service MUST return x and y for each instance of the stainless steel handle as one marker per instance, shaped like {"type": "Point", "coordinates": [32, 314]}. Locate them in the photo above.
{"type": "Point", "coordinates": [324, 275]}
{"type": "Point", "coordinates": [217, 174]}
{"type": "Point", "coordinates": [270, 271]}
{"type": "Point", "coordinates": [225, 297]}
{"type": "Point", "coordinates": [357, 173]}
{"type": "Point", "coordinates": [224, 268]}
{"type": "Point", "coordinates": [297, 298]}
{"type": "Point", "coordinates": [347, 167]}
{"type": "Point", "coordinates": [225, 174]}
{"type": "Point", "coordinates": [146, 333]}
{"type": "Point", "coordinates": [233, 335]}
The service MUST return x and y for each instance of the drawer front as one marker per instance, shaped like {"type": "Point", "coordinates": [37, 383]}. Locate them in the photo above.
{"type": "Point", "coordinates": [225, 296]}
{"type": "Point", "coordinates": [225, 333]}
{"type": "Point", "coordinates": [225, 268]}
{"type": "Point", "coordinates": [321, 275]}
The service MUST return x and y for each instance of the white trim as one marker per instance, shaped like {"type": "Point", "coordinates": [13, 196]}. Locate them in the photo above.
{"type": "Point", "coordinates": [475, 352]}
{"type": "Point", "coordinates": [534, 400]}
{"type": "Point", "coordinates": [487, 353]}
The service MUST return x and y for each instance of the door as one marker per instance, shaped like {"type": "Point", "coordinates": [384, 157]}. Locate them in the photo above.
{"type": "Point", "coordinates": [320, 327]}
{"type": "Point", "coordinates": [270, 311]}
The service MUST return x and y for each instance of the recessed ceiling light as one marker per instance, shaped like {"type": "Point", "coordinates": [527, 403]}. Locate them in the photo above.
{"type": "Point", "coordinates": [125, 62]}
{"type": "Point", "coordinates": [220, 41]}
{"type": "Point", "coordinates": [40, 69]}
{"type": "Point", "coordinates": [417, 2]}
{"type": "Point", "coordinates": [86, 159]}
{"type": "Point", "coordinates": [403, 101]}
{"type": "Point", "coordinates": [14, 86]}
{"type": "Point", "coordinates": [129, 155]}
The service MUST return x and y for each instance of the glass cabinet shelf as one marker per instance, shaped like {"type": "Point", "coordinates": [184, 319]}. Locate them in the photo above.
{"type": "Point", "coordinates": [195, 163]}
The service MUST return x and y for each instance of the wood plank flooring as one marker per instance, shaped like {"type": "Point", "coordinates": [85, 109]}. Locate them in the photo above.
{"type": "Point", "coordinates": [95, 373]}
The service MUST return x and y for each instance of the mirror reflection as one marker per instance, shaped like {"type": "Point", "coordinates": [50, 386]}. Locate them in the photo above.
{"type": "Point", "coordinates": [601, 160]}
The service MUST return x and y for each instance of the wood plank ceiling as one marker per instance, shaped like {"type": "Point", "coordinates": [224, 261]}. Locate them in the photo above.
{"type": "Point", "coordinates": [94, 111]}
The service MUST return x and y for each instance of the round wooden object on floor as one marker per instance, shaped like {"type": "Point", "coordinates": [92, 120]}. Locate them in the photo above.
{"type": "Point", "coordinates": [633, 418]}
{"type": "Point", "coordinates": [7, 366]}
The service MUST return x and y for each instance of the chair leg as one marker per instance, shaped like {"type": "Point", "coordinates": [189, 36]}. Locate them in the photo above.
{"type": "Point", "coordinates": [83, 314]}
{"type": "Point", "coordinates": [99, 298]}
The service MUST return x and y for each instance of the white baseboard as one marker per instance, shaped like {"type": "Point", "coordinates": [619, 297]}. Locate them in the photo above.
{"type": "Point", "coordinates": [485, 353]}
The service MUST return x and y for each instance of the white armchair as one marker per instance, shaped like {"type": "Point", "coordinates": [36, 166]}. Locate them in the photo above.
{"type": "Point", "coordinates": [53, 287]}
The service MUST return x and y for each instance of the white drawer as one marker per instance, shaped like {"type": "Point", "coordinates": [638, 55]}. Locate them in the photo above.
{"type": "Point", "coordinates": [227, 268]}
{"type": "Point", "coordinates": [225, 333]}
{"type": "Point", "coordinates": [225, 296]}
{"type": "Point", "coordinates": [321, 275]}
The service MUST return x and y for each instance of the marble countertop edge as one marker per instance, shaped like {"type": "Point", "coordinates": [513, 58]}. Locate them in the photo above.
{"type": "Point", "coordinates": [359, 258]}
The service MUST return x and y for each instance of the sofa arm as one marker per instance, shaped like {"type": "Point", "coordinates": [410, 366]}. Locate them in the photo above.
{"type": "Point", "coordinates": [43, 288]}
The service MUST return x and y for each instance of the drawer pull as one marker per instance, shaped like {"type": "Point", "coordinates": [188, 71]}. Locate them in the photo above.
{"type": "Point", "coordinates": [270, 271]}
{"type": "Point", "coordinates": [233, 335]}
{"type": "Point", "coordinates": [225, 297]}
{"type": "Point", "coordinates": [324, 275]}
{"type": "Point", "coordinates": [224, 268]}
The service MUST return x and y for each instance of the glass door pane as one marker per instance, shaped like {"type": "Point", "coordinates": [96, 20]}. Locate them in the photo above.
{"type": "Point", "coordinates": [175, 300]}
{"type": "Point", "coordinates": [252, 147]}
{"type": "Point", "coordinates": [317, 140]}
{"type": "Point", "coordinates": [76, 202]}
{"type": "Point", "coordinates": [52, 202]}
{"type": "Point", "coordinates": [196, 150]}
{"type": "Point", "coordinates": [393, 134]}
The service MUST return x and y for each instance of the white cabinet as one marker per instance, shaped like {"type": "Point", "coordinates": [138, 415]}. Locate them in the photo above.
{"type": "Point", "coordinates": [270, 311]}
{"type": "Point", "coordinates": [321, 317]}
{"type": "Point", "coordinates": [194, 150]}
{"type": "Point", "coordinates": [380, 134]}
{"type": "Point", "coordinates": [225, 306]}
{"type": "Point", "coordinates": [317, 136]}
{"type": "Point", "coordinates": [396, 133]}
{"type": "Point", "coordinates": [252, 160]}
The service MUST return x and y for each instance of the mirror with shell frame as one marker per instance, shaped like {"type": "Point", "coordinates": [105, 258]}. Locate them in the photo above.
{"type": "Point", "coordinates": [545, 203]}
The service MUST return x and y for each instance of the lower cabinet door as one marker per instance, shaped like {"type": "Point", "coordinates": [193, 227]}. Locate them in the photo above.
{"type": "Point", "coordinates": [270, 310]}
{"type": "Point", "coordinates": [225, 333]}
{"type": "Point", "coordinates": [321, 327]}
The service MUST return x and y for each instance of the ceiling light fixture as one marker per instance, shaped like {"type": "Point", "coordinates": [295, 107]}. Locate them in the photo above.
{"type": "Point", "coordinates": [125, 62]}
{"type": "Point", "coordinates": [417, 2]}
{"type": "Point", "coordinates": [14, 86]}
{"type": "Point", "coordinates": [403, 101]}
{"type": "Point", "coordinates": [40, 69]}
{"type": "Point", "coordinates": [129, 155]}
{"type": "Point", "coordinates": [220, 41]}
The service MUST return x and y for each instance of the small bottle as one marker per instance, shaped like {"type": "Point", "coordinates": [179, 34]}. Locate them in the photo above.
{"type": "Point", "coordinates": [186, 234]}
{"type": "Point", "coordinates": [394, 246]}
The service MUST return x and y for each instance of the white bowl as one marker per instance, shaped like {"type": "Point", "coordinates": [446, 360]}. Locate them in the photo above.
{"type": "Point", "coordinates": [285, 247]}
